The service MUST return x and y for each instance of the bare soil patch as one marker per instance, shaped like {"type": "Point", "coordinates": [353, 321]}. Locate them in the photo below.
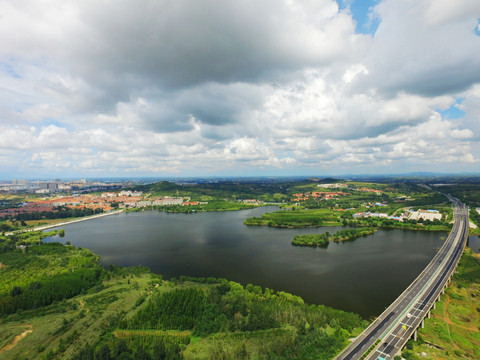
{"type": "Point", "coordinates": [17, 338]}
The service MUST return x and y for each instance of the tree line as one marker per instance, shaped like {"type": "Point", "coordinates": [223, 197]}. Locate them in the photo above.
{"type": "Point", "coordinates": [62, 213]}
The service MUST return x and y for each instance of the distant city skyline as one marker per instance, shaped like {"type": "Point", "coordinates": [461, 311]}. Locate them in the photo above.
{"type": "Point", "coordinates": [179, 88]}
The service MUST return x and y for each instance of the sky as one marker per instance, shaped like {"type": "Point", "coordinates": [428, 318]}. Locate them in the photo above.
{"type": "Point", "coordinates": [238, 88]}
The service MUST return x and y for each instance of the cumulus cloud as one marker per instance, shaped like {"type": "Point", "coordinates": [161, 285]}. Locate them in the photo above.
{"type": "Point", "coordinates": [425, 47]}
{"type": "Point", "coordinates": [211, 87]}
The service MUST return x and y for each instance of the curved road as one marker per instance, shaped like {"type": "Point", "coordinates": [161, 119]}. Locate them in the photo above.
{"type": "Point", "coordinates": [389, 333]}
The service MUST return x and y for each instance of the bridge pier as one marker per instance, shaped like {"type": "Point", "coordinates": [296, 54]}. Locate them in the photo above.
{"type": "Point", "coordinates": [422, 324]}
{"type": "Point", "coordinates": [415, 336]}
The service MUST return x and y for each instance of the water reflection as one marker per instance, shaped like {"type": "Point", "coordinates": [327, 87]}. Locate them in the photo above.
{"type": "Point", "coordinates": [362, 276]}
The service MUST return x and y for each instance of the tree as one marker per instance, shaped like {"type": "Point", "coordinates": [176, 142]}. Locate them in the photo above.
{"type": "Point", "coordinates": [17, 290]}
{"type": "Point", "coordinates": [141, 354]}
{"type": "Point", "coordinates": [159, 350]}
{"type": "Point", "coordinates": [241, 353]}
{"type": "Point", "coordinates": [119, 348]}
{"type": "Point", "coordinates": [103, 353]}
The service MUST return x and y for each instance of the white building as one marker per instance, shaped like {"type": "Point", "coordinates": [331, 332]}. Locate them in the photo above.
{"type": "Point", "coordinates": [332, 186]}
{"type": "Point", "coordinates": [425, 215]}
{"type": "Point", "coordinates": [167, 201]}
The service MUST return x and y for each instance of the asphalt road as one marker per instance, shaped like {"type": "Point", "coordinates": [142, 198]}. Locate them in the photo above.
{"type": "Point", "coordinates": [396, 325]}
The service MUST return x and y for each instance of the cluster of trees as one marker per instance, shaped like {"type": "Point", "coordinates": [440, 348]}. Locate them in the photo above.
{"type": "Point", "coordinates": [314, 240]}
{"type": "Point", "coordinates": [205, 311]}
{"type": "Point", "coordinates": [142, 347]}
{"type": "Point", "coordinates": [55, 288]}
{"type": "Point", "coordinates": [8, 243]}
{"type": "Point", "coordinates": [322, 240]}
{"type": "Point", "coordinates": [44, 273]}
{"type": "Point", "coordinates": [62, 213]}
{"type": "Point", "coordinates": [120, 271]}
{"type": "Point", "coordinates": [4, 227]}
{"type": "Point", "coordinates": [428, 199]}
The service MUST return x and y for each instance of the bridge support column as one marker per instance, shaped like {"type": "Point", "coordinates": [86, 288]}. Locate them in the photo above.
{"type": "Point", "coordinates": [434, 304]}
{"type": "Point", "coordinates": [428, 313]}
{"type": "Point", "coordinates": [422, 324]}
{"type": "Point", "coordinates": [415, 336]}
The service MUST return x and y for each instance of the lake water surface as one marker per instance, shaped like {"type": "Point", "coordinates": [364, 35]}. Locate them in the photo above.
{"type": "Point", "coordinates": [474, 243]}
{"type": "Point", "coordinates": [363, 276]}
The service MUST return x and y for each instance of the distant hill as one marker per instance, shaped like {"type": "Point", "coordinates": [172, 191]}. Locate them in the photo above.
{"type": "Point", "coordinates": [324, 181]}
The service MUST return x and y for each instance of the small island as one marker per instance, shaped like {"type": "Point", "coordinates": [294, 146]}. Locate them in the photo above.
{"type": "Point", "coordinates": [322, 240]}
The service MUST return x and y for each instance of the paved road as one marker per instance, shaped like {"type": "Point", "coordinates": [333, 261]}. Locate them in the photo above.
{"type": "Point", "coordinates": [50, 226]}
{"type": "Point", "coordinates": [400, 320]}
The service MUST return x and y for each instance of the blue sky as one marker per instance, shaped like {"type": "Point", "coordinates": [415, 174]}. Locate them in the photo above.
{"type": "Point", "coordinates": [362, 13]}
{"type": "Point", "coordinates": [223, 87]}
{"type": "Point", "coordinates": [455, 111]}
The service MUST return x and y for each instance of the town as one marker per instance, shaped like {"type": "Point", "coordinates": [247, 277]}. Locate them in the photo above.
{"type": "Point", "coordinates": [104, 202]}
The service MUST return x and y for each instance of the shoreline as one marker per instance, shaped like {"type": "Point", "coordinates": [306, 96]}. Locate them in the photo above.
{"type": "Point", "coordinates": [50, 226]}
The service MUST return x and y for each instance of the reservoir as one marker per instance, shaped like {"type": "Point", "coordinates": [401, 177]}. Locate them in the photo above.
{"type": "Point", "coordinates": [363, 276]}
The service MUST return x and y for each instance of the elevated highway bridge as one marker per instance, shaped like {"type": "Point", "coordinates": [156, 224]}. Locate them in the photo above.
{"type": "Point", "coordinates": [388, 334]}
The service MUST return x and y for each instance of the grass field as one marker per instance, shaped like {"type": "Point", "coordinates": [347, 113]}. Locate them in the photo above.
{"type": "Point", "coordinates": [453, 331]}
{"type": "Point", "coordinates": [297, 218]}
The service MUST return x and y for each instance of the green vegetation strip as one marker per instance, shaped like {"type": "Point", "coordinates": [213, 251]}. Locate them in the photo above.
{"type": "Point", "coordinates": [370, 349]}
{"type": "Point", "coordinates": [128, 333]}
{"type": "Point", "coordinates": [452, 331]}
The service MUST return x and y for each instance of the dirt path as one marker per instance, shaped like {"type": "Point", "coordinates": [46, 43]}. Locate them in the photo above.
{"type": "Point", "coordinates": [82, 306]}
{"type": "Point", "coordinates": [17, 338]}
{"type": "Point", "coordinates": [446, 317]}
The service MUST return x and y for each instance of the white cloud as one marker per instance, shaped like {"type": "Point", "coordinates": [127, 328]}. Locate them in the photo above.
{"type": "Point", "coordinates": [352, 72]}
{"type": "Point", "coordinates": [419, 49]}
{"type": "Point", "coordinates": [443, 11]}
{"type": "Point", "coordinates": [462, 134]}
{"type": "Point", "coordinates": [232, 87]}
